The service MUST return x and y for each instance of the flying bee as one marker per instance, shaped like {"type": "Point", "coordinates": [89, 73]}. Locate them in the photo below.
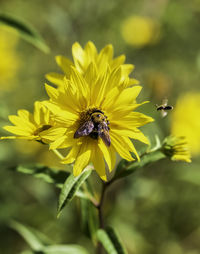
{"type": "Point", "coordinates": [96, 126]}
{"type": "Point", "coordinates": [163, 108]}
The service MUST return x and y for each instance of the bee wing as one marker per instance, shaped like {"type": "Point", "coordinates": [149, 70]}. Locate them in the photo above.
{"type": "Point", "coordinates": [168, 107]}
{"type": "Point", "coordinates": [160, 108]}
{"type": "Point", "coordinates": [84, 130]}
{"type": "Point", "coordinates": [104, 135]}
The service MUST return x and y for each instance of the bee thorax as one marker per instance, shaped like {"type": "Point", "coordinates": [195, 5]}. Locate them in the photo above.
{"type": "Point", "coordinates": [95, 125]}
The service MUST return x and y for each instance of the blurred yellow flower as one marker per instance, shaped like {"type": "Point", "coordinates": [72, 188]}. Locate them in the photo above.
{"type": "Point", "coordinates": [83, 58]}
{"type": "Point", "coordinates": [96, 114]}
{"type": "Point", "coordinates": [140, 31]}
{"type": "Point", "coordinates": [176, 147]}
{"type": "Point", "coordinates": [10, 62]}
{"type": "Point", "coordinates": [186, 121]}
{"type": "Point", "coordinates": [30, 126]}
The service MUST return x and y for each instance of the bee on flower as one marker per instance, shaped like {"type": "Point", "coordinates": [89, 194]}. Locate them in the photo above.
{"type": "Point", "coordinates": [92, 110]}
{"type": "Point", "coordinates": [95, 108]}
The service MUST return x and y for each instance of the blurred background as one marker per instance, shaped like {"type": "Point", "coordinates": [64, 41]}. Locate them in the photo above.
{"type": "Point", "coordinates": [156, 210]}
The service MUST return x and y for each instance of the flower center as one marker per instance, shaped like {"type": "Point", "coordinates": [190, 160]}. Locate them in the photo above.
{"type": "Point", "coordinates": [94, 123]}
{"type": "Point", "coordinates": [41, 128]}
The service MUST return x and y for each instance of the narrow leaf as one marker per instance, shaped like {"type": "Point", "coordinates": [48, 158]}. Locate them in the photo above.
{"type": "Point", "coordinates": [106, 242]}
{"type": "Point", "coordinates": [116, 240]}
{"type": "Point", "coordinates": [93, 222]}
{"type": "Point", "coordinates": [84, 216]}
{"type": "Point", "coordinates": [64, 249]}
{"type": "Point", "coordinates": [28, 235]}
{"type": "Point", "coordinates": [125, 168]}
{"type": "Point", "coordinates": [70, 187]}
{"type": "Point", "coordinates": [49, 175]}
{"type": "Point", "coordinates": [110, 241]}
{"type": "Point", "coordinates": [26, 31]}
{"type": "Point", "coordinates": [89, 219]}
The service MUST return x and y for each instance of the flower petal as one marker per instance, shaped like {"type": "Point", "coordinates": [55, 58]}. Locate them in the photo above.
{"type": "Point", "coordinates": [72, 155]}
{"type": "Point", "coordinates": [91, 51]}
{"type": "Point", "coordinates": [21, 123]}
{"type": "Point", "coordinates": [98, 162]}
{"type": "Point", "coordinates": [83, 157]}
{"type": "Point", "coordinates": [106, 153]}
{"type": "Point", "coordinates": [127, 143]}
{"type": "Point", "coordinates": [55, 78]}
{"type": "Point", "coordinates": [120, 146]}
{"type": "Point", "coordinates": [78, 56]}
{"type": "Point", "coordinates": [65, 64]}
{"type": "Point", "coordinates": [17, 130]}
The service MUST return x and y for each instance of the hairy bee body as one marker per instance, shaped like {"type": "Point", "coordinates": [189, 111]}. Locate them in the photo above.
{"type": "Point", "coordinates": [95, 127]}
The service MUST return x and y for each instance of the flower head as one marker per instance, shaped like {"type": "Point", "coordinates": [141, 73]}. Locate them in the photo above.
{"type": "Point", "coordinates": [95, 111]}
{"type": "Point", "coordinates": [186, 121]}
{"type": "Point", "coordinates": [176, 148]}
{"type": "Point", "coordinates": [30, 126]}
{"type": "Point", "coordinates": [140, 31]}
{"type": "Point", "coordinates": [83, 58]}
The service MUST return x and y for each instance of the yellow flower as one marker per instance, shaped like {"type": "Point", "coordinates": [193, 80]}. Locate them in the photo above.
{"type": "Point", "coordinates": [186, 121]}
{"type": "Point", "coordinates": [83, 58]}
{"type": "Point", "coordinates": [140, 31]}
{"type": "Point", "coordinates": [9, 63]}
{"type": "Point", "coordinates": [96, 114]}
{"type": "Point", "coordinates": [176, 147]}
{"type": "Point", "coordinates": [30, 126]}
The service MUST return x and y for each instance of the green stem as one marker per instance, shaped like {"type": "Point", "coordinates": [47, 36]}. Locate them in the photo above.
{"type": "Point", "coordinates": [100, 214]}
{"type": "Point", "coordinates": [60, 156]}
{"type": "Point", "coordinates": [125, 168]}
{"type": "Point", "coordinates": [100, 206]}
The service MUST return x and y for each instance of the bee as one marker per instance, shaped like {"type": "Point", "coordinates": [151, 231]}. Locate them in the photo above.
{"type": "Point", "coordinates": [164, 107]}
{"type": "Point", "coordinates": [96, 126]}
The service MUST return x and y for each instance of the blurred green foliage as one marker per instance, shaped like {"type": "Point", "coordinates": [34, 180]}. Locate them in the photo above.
{"type": "Point", "coordinates": [155, 211]}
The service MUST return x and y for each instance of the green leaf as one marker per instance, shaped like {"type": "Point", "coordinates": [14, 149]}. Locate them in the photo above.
{"type": "Point", "coordinates": [34, 242]}
{"type": "Point", "coordinates": [25, 30]}
{"type": "Point", "coordinates": [27, 252]}
{"type": "Point", "coordinates": [64, 249]}
{"type": "Point", "coordinates": [84, 203]}
{"type": "Point", "coordinates": [93, 222]}
{"type": "Point", "coordinates": [110, 241]}
{"type": "Point", "coordinates": [125, 168]}
{"type": "Point", "coordinates": [70, 187]}
{"type": "Point", "coordinates": [89, 219]}
{"type": "Point", "coordinates": [49, 175]}
{"type": "Point", "coordinates": [40, 244]}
